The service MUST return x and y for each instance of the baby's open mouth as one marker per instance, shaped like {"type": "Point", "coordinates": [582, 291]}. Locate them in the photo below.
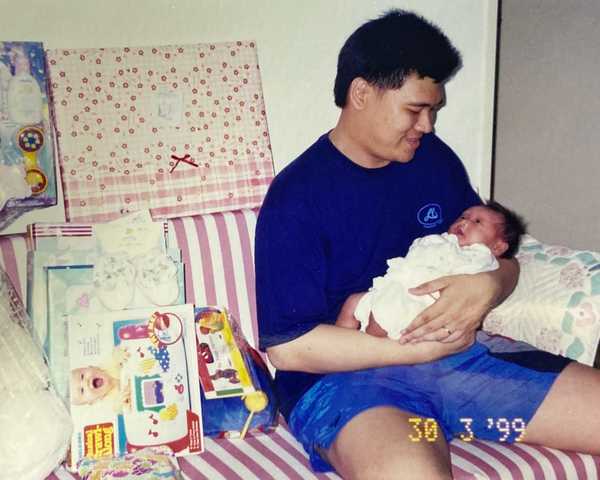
{"type": "Point", "coordinates": [97, 382]}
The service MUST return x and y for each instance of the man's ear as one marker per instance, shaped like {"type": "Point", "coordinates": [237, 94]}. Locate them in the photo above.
{"type": "Point", "coordinates": [499, 247]}
{"type": "Point", "coordinates": [358, 93]}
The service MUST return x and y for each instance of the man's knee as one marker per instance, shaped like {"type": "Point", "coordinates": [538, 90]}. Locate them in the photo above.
{"type": "Point", "coordinates": [377, 445]}
{"type": "Point", "coordinates": [392, 467]}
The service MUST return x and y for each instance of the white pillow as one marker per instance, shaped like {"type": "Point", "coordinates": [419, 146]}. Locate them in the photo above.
{"type": "Point", "coordinates": [556, 304]}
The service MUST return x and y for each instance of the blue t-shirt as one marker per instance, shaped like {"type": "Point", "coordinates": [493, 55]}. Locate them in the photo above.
{"type": "Point", "coordinates": [327, 227]}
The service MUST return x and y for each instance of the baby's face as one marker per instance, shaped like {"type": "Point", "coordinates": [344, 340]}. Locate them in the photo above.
{"type": "Point", "coordinates": [478, 225]}
{"type": "Point", "coordinates": [89, 384]}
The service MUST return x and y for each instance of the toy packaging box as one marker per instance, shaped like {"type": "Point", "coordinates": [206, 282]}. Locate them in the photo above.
{"type": "Point", "coordinates": [134, 382]}
{"type": "Point", "coordinates": [237, 389]}
{"type": "Point", "coordinates": [223, 370]}
{"type": "Point", "coordinates": [27, 163]}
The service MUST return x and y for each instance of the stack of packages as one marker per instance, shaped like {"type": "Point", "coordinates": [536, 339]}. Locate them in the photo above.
{"type": "Point", "coordinates": [179, 130]}
{"type": "Point", "coordinates": [108, 304]}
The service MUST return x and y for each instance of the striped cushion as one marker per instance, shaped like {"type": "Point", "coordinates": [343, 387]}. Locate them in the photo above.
{"type": "Point", "coordinates": [13, 259]}
{"type": "Point", "coordinates": [218, 251]}
{"type": "Point", "coordinates": [279, 456]}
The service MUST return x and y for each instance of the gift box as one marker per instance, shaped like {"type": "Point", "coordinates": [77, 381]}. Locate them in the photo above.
{"type": "Point", "coordinates": [178, 129]}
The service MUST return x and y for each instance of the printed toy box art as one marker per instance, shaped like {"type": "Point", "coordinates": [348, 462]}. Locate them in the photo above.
{"type": "Point", "coordinates": [134, 382]}
{"type": "Point", "coordinates": [223, 370]}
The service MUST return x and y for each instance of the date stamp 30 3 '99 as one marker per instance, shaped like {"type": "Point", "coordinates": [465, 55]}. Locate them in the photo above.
{"type": "Point", "coordinates": [427, 429]}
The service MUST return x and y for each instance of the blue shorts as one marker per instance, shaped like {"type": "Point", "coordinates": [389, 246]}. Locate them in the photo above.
{"type": "Point", "coordinates": [490, 392]}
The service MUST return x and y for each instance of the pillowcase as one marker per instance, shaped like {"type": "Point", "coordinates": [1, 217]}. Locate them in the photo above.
{"type": "Point", "coordinates": [556, 304]}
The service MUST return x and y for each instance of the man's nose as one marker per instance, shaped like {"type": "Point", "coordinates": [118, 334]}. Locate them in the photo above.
{"type": "Point", "coordinates": [425, 121]}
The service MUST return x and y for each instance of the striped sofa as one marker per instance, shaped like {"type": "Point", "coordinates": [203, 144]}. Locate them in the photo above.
{"type": "Point", "coordinates": [218, 251]}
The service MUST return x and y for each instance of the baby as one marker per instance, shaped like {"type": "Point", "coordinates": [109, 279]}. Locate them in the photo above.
{"type": "Point", "coordinates": [91, 384]}
{"type": "Point", "coordinates": [473, 243]}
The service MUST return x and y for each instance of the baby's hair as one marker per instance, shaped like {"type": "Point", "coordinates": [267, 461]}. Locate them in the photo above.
{"type": "Point", "coordinates": [514, 227]}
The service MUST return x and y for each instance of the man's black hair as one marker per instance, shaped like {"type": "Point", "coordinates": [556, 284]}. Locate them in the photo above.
{"type": "Point", "coordinates": [514, 227]}
{"type": "Point", "coordinates": [386, 50]}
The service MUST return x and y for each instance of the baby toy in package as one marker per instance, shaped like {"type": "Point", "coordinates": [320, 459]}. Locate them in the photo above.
{"type": "Point", "coordinates": [27, 165]}
{"type": "Point", "coordinates": [35, 424]}
{"type": "Point", "coordinates": [223, 370]}
{"type": "Point", "coordinates": [237, 390]}
{"type": "Point", "coordinates": [134, 382]}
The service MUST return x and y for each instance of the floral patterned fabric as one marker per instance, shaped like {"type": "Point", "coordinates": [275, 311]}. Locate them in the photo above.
{"type": "Point", "coordinates": [179, 129]}
{"type": "Point", "coordinates": [556, 305]}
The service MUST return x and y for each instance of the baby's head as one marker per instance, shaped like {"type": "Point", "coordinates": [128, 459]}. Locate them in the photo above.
{"type": "Point", "coordinates": [89, 384]}
{"type": "Point", "coordinates": [491, 224]}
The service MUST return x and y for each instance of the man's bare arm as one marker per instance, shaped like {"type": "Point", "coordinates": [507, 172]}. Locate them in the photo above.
{"type": "Point", "coordinates": [328, 348]}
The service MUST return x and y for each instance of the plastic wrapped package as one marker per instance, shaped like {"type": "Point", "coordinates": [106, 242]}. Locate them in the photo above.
{"type": "Point", "coordinates": [27, 165]}
{"type": "Point", "coordinates": [34, 422]}
{"type": "Point", "coordinates": [237, 388]}
{"type": "Point", "coordinates": [156, 463]}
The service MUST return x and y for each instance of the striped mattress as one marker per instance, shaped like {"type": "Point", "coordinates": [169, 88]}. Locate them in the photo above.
{"type": "Point", "coordinates": [218, 251]}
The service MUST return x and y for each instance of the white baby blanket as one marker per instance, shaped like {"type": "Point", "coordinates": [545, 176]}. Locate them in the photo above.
{"type": "Point", "coordinates": [428, 258]}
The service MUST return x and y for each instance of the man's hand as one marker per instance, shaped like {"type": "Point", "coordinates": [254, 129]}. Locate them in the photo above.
{"type": "Point", "coordinates": [435, 350]}
{"type": "Point", "coordinates": [464, 301]}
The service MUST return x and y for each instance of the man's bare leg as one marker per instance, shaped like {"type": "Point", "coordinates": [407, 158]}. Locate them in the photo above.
{"type": "Point", "coordinates": [382, 443]}
{"type": "Point", "coordinates": [569, 416]}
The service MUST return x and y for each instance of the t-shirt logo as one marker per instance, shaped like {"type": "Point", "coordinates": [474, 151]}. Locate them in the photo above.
{"type": "Point", "coordinates": [430, 215]}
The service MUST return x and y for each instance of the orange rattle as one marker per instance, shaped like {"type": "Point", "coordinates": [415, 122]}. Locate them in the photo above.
{"type": "Point", "coordinates": [255, 402]}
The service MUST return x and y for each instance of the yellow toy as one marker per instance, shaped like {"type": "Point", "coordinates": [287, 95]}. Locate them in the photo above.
{"type": "Point", "coordinates": [30, 140]}
{"type": "Point", "coordinates": [254, 402]}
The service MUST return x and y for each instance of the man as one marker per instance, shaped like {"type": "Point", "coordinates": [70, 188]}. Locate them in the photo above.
{"type": "Point", "coordinates": [356, 197]}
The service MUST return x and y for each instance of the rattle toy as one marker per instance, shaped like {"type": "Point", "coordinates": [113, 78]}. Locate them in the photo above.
{"type": "Point", "coordinates": [255, 402]}
{"type": "Point", "coordinates": [30, 140]}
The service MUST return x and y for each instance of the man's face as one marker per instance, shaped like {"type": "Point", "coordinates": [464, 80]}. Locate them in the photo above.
{"type": "Point", "coordinates": [480, 225]}
{"type": "Point", "coordinates": [395, 120]}
{"type": "Point", "coordinates": [89, 384]}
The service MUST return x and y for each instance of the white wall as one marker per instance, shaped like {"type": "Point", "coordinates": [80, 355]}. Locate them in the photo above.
{"type": "Point", "coordinates": [298, 42]}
